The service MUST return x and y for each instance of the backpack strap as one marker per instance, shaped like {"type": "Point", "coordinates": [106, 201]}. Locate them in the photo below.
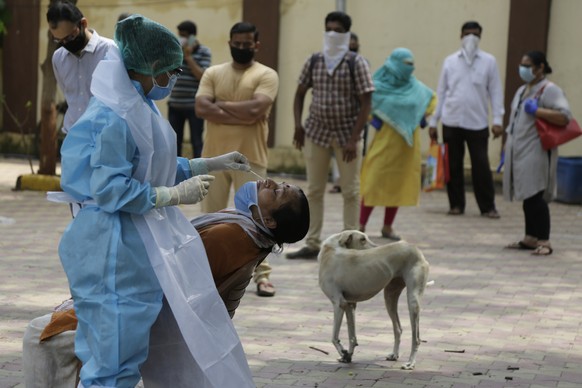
{"type": "Point", "coordinates": [351, 65]}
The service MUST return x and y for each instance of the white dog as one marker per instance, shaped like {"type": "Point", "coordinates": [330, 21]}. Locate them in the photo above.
{"type": "Point", "coordinates": [353, 269]}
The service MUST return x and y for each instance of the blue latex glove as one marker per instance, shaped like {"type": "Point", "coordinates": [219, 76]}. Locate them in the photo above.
{"type": "Point", "coordinates": [530, 106]}
{"type": "Point", "coordinates": [376, 122]}
{"type": "Point", "coordinates": [501, 162]}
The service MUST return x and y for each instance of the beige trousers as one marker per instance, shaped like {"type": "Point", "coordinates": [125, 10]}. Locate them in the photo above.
{"type": "Point", "coordinates": [317, 161]}
{"type": "Point", "coordinates": [218, 199]}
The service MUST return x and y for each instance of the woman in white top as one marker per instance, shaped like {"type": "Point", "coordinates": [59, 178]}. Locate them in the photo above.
{"type": "Point", "coordinates": [530, 171]}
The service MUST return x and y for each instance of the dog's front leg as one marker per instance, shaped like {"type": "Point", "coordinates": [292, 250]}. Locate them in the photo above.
{"type": "Point", "coordinates": [338, 314]}
{"type": "Point", "coordinates": [350, 317]}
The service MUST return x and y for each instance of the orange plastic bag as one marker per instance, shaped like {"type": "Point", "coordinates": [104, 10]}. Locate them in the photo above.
{"type": "Point", "coordinates": [437, 167]}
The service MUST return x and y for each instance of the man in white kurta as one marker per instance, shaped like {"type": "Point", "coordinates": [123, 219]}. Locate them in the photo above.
{"type": "Point", "coordinates": [468, 84]}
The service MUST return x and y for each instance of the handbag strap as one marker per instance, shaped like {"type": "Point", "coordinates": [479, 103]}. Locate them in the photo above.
{"type": "Point", "coordinates": [539, 92]}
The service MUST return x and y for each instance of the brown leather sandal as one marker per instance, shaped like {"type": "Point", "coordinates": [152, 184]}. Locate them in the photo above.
{"type": "Point", "coordinates": [542, 250]}
{"type": "Point", "coordinates": [265, 289]}
{"type": "Point", "coordinates": [520, 245]}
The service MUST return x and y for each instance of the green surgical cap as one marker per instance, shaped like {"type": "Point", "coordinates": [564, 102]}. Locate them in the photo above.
{"type": "Point", "coordinates": [147, 47]}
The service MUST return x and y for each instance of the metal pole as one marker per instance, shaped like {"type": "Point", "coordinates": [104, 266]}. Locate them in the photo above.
{"type": "Point", "coordinates": [340, 5]}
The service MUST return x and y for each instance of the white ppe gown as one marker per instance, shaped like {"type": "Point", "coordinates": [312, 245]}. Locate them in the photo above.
{"type": "Point", "coordinates": [122, 256]}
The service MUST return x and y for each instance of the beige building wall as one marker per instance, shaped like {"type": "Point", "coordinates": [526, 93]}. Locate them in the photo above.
{"type": "Point", "coordinates": [214, 18]}
{"type": "Point", "coordinates": [430, 28]}
{"type": "Point", "coordinates": [301, 34]}
{"type": "Point", "coordinates": [565, 58]}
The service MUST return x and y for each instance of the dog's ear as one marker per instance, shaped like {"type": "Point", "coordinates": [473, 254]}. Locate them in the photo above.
{"type": "Point", "coordinates": [346, 240]}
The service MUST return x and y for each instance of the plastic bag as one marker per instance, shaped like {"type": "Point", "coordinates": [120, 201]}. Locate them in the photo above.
{"type": "Point", "coordinates": [437, 167]}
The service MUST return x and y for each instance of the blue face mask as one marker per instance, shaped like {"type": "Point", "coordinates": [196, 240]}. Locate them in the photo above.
{"type": "Point", "coordinates": [160, 92]}
{"type": "Point", "coordinates": [526, 74]}
{"type": "Point", "coordinates": [246, 197]}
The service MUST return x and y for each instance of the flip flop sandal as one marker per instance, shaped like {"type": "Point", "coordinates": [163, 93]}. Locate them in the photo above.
{"type": "Point", "coordinates": [542, 250]}
{"type": "Point", "coordinates": [520, 245]}
{"type": "Point", "coordinates": [390, 236]}
{"type": "Point", "coordinates": [265, 289]}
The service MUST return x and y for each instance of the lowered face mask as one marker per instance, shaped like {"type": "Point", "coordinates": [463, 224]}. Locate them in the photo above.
{"type": "Point", "coordinates": [247, 196]}
{"type": "Point", "coordinates": [160, 92]}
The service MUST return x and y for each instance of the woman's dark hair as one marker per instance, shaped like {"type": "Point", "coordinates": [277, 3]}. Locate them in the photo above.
{"type": "Point", "coordinates": [342, 18]}
{"type": "Point", "coordinates": [243, 28]}
{"type": "Point", "coordinates": [537, 58]}
{"type": "Point", "coordinates": [292, 220]}
{"type": "Point", "coordinates": [63, 11]}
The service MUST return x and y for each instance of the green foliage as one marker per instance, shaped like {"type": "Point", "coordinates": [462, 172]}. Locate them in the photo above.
{"type": "Point", "coordinates": [4, 18]}
{"type": "Point", "coordinates": [15, 144]}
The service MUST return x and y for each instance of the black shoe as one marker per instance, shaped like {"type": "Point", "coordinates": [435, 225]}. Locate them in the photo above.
{"type": "Point", "coordinates": [303, 253]}
{"type": "Point", "coordinates": [335, 189]}
{"type": "Point", "coordinates": [491, 214]}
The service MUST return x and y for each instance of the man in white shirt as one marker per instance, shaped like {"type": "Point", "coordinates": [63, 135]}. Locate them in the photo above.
{"type": "Point", "coordinates": [469, 81]}
{"type": "Point", "coordinates": [80, 51]}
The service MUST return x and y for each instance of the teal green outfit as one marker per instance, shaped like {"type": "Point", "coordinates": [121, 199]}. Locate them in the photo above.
{"type": "Point", "coordinates": [400, 100]}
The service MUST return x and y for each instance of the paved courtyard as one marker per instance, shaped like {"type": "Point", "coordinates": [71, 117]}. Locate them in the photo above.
{"type": "Point", "coordinates": [493, 318]}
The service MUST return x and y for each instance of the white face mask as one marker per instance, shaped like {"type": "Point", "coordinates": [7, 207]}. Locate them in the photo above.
{"type": "Point", "coordinates": [190, 40]}
{"type": "Point", "coordinates": [470, 44]}
{"type": "Point", "coordinates": [335, 47]}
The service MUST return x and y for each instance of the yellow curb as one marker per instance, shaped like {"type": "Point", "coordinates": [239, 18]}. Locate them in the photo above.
{"type": "Point", "coordinates": [39, 182]}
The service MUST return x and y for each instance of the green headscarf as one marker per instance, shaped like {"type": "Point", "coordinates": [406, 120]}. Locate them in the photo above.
{"type": "Point", "coordinates": [147, 47]}
{"type": "Point", "coordinates": [400, 100]}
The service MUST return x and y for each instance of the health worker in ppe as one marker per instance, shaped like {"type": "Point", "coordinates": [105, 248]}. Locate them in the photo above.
{"type": "Point", "coordinates": [128, 250]}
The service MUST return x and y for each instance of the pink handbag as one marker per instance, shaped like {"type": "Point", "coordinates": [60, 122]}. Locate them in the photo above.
{"type": "Point", "coordinates": [552, 135]}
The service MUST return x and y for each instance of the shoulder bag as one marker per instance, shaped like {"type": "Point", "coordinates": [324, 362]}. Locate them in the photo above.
{"type": "Point", "coordinates": [552, 135]}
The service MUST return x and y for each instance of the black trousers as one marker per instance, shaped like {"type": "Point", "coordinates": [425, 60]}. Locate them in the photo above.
{"type": "Point", "coordinates": [537, 217]}
{"type": "Point", "coordinates": [177, 119]}
{"type": "Point", "coordinates": [478, 144]}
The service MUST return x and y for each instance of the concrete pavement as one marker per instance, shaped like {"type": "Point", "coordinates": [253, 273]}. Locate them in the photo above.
{"type": "Point", "coordinates": [494, 317]}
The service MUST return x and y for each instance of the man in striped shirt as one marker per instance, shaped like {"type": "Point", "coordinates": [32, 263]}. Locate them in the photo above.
{"type": "Point", "coordinates": [181, 103]}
